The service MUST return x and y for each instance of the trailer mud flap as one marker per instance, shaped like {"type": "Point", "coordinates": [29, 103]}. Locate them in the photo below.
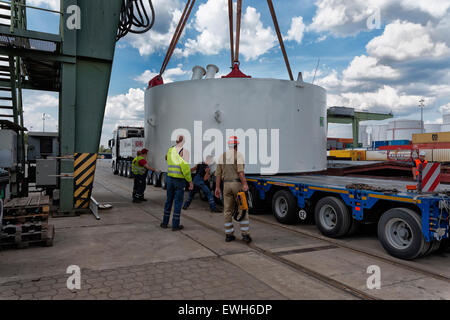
{"type": "Point", "coordinates": [84, 172]}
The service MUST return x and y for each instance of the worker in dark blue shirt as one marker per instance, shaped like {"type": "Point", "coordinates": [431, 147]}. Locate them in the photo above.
{"type": "Point", "coordinates": [201, 178]}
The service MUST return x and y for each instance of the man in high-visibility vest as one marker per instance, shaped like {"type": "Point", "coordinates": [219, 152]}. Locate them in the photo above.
{"type": "Point", "coordinates": [139, 167]}
{"type": "Point", "coordinates": [418, 165]}
{"type": "Point", "coordinates": [179, 171]}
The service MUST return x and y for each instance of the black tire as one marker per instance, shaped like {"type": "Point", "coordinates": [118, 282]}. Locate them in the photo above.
{"type": "Point", "coordinates": [121, 168]}
{"type": "Point", "coordinates": [149, 178]}
{"type": "Point", "coordinates": [284, 207]}
{"type": "Point", "coordinates": [354, 229]}
{"type": "Point", "coordinates": [444, 246]}
{"type": "Point", "coordinates": [332, 217]}
{"type": "Point", "coordinates": [114, 168]}
{"type": "Point", "coordinates": [156, 181]}
{"type": "Point", "coordinates": [400, 233]}
{"type": "Point", "coordinates": [129, 170]}
{"type": "Point", "coordinates": [433, 247]}
{"type": "Point", "coordinates": [258, 204]}
{"type": "Point", "coordinates": [164, 181]}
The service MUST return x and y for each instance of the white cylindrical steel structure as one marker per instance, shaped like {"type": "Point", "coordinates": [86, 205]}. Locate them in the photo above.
{"type": "Point", "coordinates": [432, 127]}
{"type": "Point", "coordinates": [211, 71]}
{"type": "Point", "coordinates": [198, 73]}
{"type": "Point", "coordinates": [363, 136]}
{"type": "Point", "coordinates": [378, 132]}
{"type": "Point", "coordinates": [284, 122]}
{"type": "Point", "coordinates": [403, 129]}
{"type": "Point", "coordinates": [446, 119]}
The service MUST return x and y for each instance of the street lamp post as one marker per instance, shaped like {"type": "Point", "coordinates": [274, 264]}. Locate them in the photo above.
{"type": "Point", "coordinates": [422, 105]}
{"type": "Point", "coordinates": [43, 122]}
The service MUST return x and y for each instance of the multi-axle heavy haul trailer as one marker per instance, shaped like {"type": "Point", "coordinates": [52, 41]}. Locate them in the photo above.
{"type": "Point", "coordinates": [410, 225]}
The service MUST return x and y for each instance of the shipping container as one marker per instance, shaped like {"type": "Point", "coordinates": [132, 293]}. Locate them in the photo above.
{"type": "Point", "coordinates": [439, 155]}
{"type": "Point", "coordinates": [354, 155]}
{"type": "Point", "coordinates": [377, 144]}
{"type": "Point", "coordinates": [431, 137]}
{"type": "Point", "coordinates": [376, 155]}
{"type": "Point", "coordinates": [399, 142]}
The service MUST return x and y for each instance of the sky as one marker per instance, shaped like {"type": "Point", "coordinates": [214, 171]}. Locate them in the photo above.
{"type": "Point", "coordinates": [373, 55]}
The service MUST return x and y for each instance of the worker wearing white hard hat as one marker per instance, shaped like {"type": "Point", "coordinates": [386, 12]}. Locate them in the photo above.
{"type": "Point", "coordinates": [419, 164]}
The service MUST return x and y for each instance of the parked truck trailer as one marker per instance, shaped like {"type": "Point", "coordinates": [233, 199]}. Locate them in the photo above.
{"type": "Point", "coordinates": [125, 144]}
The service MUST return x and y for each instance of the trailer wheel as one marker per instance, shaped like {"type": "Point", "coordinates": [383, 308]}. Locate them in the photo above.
{"type": "Point", "coordinates": [434, 246]}
{"type": "Point", "coordinates": [164, 181]}
{"type": "Point", "coordinates": [130, 170]}
{"type": "Point", "coordinates": [284, 207]}
{"type": "Point", "coordinates": [444, 246]}
{"type": "Point", "coordinates": [332, 217]}
{"type": "Point", "coordinates": [121, 168]}
{"type": "Point", "coordinates": [149, 178]}
{"type": "Point", "coordinates": [356, 225]}
{"type": "Point", "coordinates": [258, 204]}
{"type": "Point", "coordinates": [400, 233]}
{"type": "Point", "coordinates": [114, 168]}
{"type": "Point", "coordinates": [156, 180]}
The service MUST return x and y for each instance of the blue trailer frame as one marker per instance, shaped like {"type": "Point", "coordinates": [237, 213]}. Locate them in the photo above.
{"type": "Point", "coordinates": [433, 207]}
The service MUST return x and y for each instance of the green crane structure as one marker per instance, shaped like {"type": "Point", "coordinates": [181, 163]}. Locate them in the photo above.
{"type": "Point", "coordinates": [77, 64]}
{"type": "Point", "coordinates": [345, 115]}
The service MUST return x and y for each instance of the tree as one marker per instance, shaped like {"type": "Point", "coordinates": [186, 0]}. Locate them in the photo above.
{"type": "Point", "coordinates": [102, 149]}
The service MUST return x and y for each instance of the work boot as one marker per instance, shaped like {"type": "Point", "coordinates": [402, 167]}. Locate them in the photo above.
{"type": "Point", "coordinates": [162, 225]}
{"type": "Point", "coordinates": [246, 238]}
{"type": "Point", "coordinates": [136, 200]}
{"type": "Point", "coordinates": [142, 199]}
{"type": "Point", "coordinates": [230, 238]}
{"type": "Point", "coordinates": [215, 210]}
{"type": "Point", "coordinates": [180, 227]}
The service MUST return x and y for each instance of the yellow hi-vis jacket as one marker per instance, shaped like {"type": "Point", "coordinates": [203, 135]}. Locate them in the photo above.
{"type": "Point", "coordinates": [177, 167]}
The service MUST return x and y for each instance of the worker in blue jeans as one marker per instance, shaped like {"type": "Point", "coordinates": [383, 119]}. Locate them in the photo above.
{"type": "Point", "coordinates": [201, 178]}
{"type": "Point", "coordinates": [178, 173]}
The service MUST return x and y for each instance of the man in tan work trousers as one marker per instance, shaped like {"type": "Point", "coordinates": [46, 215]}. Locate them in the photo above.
{"type": "Point", "coordinates": [230, 169]}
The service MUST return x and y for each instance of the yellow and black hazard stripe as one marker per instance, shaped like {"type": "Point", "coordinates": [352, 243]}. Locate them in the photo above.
{"type": "Point", "coordinates": [84, 172]}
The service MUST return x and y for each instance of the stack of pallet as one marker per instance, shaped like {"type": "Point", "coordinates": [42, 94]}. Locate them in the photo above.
{"type": "Point", "coordinates": [25, 223]}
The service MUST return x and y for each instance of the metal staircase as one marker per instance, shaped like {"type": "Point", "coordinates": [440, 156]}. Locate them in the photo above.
{"type": "Point", "coordinates": [12, 15]}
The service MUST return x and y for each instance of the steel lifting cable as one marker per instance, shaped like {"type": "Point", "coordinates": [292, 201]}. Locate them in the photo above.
{"type": "Point", "coordinates": [230, 13]}
{"type": "Point", "coordinates": [134, 18]}
{"type": "Point", "coordinates": [176, 37]}
{"type": "Point", "coordinates": [280, 38]}
{"type": "Point", "coordinates": [238, 29]}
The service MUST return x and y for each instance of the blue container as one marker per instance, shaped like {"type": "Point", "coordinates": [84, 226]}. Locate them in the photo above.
{"type": "Point", "coordinates": [377, 144]}
{"type": "Point", "coordinates": [399, 142]}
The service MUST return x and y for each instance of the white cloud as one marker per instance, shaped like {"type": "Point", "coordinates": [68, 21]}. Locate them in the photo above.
{"type": "Point", "coordinates": [129, 106]}
{"type": "Point", "coordinates": [445, 109]}
{"type": "Point", "coordinates": [52, 4]}
{"type": "Point", "coordinates": [349, 17]}
{"type": "Point", "coordinates": [405, 40]}
{"type": "Point", "coordinates": [211, 21]}
{"type": "Point", "coordinates": [35, 104]}
{"type": "Point", "coordinates": [168, 76]}
{"type": "Point", "coordinates": [385, 99]}
{"type": "Point", "coordinates": [34, 100]}
{"type": "Point", "coordinates": [367, 68]}
{"type": "Point", "coordinates": [296, 31]}
{"type": "Point", "coordinates": [168, 13]}
{"type": "Point", "coordinates": [330, 81]}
